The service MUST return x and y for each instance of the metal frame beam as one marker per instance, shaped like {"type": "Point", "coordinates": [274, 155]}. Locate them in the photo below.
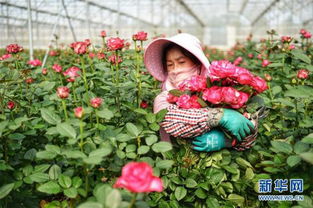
{"type": "Point", "coordinates": [118, 12]}
{"type": "Point", "coordinates": [264, 12]}
{"type": "Point", "coordinates": [50, 13]}
{"type": "Point", "coordinates": [181, 2]}
{"type": "Point", "coordinates": [243, 6]}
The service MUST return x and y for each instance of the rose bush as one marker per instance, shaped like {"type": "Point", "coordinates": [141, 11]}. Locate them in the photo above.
{"type": "Point", "coordinates": [65, 153]}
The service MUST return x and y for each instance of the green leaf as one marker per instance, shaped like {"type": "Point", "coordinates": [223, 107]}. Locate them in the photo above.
{"type": "Point", "coordinates": [3, 126]}
{"type": "Point", "coordinates": [300, 92]}
{"type": "Point", "coordinates": [300, 55]}
{"type": "Point", "coordinates": [70, 192]}
{"type": "Point", "coordinates": [307, 156]}
{"type": "Point", "coordinates": [41, 168]}
{"type": "Point", "coordinates": [65, 181]}
{"type": "Point", "coordinates": [176, 92]}
{"type": "Point", "coordinates": [50, 116]}
{"type": "Point", "coordinates": [200, 193]}
{"type": "Point", "coordinates": [202, 103]}
{"type": "Point", "coordinates": [39, 177]}
{"type": "Point", "coordinates": [132, 129]}
{"type": "Point", "coordinates": [75, 154]}
{"type": "Point", "coordinates": [77, 182]}
{"type": "Point", "coordinates": [230, 169]}
{"type": "Point", "coordinates": [308, 139]}
{"type": "Point", "coordinates": [54, 172]}
{"type": "Point", "coordinates": [151, 139]}
{"type": "Point", "coordinates": [164, 164]}
{"type": "Point", "coordinates": [180, 193]}
{"type": "Point", "coordinates": [66, 130]}
{"type": "Point", "coordinates": [143, 149]}
{"type": "Point", "coordinates": [5, 190]}
{"type": "Point", "coordinates": [141, 111]}
{"type": "Point", "coordinates": [293, 160]}
{"type": "Point", "coordinates": [191, 183]}
{"type": "Point", "coordinates": [281, 146]}
{"type": "Point", "coordinates": [162, 147]}
{"type": "Point", "coordinates": [154, 127]}
{"type": "Point", "coordinates": [212, 202]}
{"type": "Point", "coordinates": [50, 187]}
{"type": "Point", "coordinates": [249, 174]}
{"type": "Point", "coordinates": [46, 155]}
{"type": "Point", "coordinates": [101, 152]}
{"type": "Point", "coordinates": [276, 90]}
{"type": "Point", "coordinates": [150, 117]}
{"type": "Point", "coordinates": [243, 162]}
{"type": "Point", "coordinates": [275, 65]}
{"type": "Point", "coordinates": [53, 148]}
{"type": "Point", "coordinates": [236, 199]}
{"type": "Point", "coordinates": [90, 204]}
{"type": "Point", "coordinates": [30, 154]}
{"type": "Point", "coordinates": [105, 113]}
{"type": "Point", "coordinates": [113, 199]}
{"type": "Point", "coordinates": [301, 147]}
{"type": "Point", "coordinates": [16, 136]}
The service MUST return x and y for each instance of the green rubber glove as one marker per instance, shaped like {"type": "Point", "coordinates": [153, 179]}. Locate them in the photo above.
{"type": "Point", "coordinates": [236, 124]}
{"type": "Point", "coordinates": [213, 140]}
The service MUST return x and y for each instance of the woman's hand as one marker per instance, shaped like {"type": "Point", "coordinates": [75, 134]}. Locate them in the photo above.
{"type": "Point", "coordinates": [236, 124]}
{"type": "Point", "coordinates": [213, 140]}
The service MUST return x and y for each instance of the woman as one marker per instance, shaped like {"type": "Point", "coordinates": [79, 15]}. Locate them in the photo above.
{"type": "Point", "coordinates": [173, 60]}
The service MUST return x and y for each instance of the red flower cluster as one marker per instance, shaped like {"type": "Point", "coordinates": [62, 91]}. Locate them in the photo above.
{"type": "Point", "coordinates": [305, 34]}
{"type": "Point", "coordinates": [115, 44]}
{"type": "Point", "coordinates": [303, 74]}
{"type": "Point", "coordinates": [138, 177]}
{"type": "Point", "coordinates": [80, 47]}
{"type": "Point", "coordinates": [35, 62]}
{"type": "Point", "coordinates": [71, 73]}
{"type": "Point", "coordinates": [195, 90]}
{"type": "Point", "coordinates": [14, 48]}
{"type": "Point", "coordinates": [5, 56]}
{"type": "Point", "coordinates": [142, 36]}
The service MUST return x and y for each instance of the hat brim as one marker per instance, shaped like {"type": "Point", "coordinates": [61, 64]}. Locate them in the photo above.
{"type": "Point", "coordinates": [153, 58]}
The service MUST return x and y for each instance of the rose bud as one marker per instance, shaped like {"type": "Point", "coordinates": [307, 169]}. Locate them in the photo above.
{"type": "Point", "coordinates": [96, 102]}
{"type": "Point", "coordinates": [79, 112]}
{"type": "Point", "coordinates": [63, 92]}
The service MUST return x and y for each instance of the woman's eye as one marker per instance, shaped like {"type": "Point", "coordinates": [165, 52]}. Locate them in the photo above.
{"type": "Point", "coordinates": [182, 62]}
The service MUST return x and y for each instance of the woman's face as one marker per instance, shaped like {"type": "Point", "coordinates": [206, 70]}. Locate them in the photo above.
{"type": "Point", "coordinates": [175, 59]}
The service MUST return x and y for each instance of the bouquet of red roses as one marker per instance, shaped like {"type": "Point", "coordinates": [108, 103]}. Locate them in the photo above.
{"type": "Point", "coordinates": [226, 86]}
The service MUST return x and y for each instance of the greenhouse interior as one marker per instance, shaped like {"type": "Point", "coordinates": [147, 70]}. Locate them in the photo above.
{"type": "Point", "coordinates": [156, 103]}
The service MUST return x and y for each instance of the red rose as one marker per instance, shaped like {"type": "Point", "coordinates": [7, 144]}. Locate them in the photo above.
{"type": "Point", "coordinates": [35, 62]}
{"type": "Point", "coordinates": [80, 47]}
{"type": "Point", "coordinates": [5, 56]}
{"type": "Point", "coordinates": [213, 94]}
{"type": "Point", "coordinates": [103, 34]}
{"type": "Point", "coordinates": [100, 55]}
{"type": "Point", "coordinates": [230, 95]}
{"type": "Point", "coordinates": [144, 104]}
{"type": "Point", "coordinates": [79, 111]}
{"type": "Point", "coordinates": [14, 48]}
{"type": "Point", "coordinates": [63, 92]}
{"type": "Point", "coordinates": [241, 100]}
{"type": "Point", "coordinates": [303, 74]}
{"type": "Point", "coordinates": [171, 98]}
{"type": "Point", "coordinates": [194, 102]}
{"type": "Point", "coordinates": [184, 101]}
{"type": "Point", "coordinates": [11, 105]}
{"type": "Point", "coordinates": [259, 84]}
{"type": "Point", "coordinates": [29, 80]}
{"type": "Point", "coordinates": [238, 61]}
{"type": "Point", "coordinates": [138, 177]}
{"type": "Point", "coordinates": [57, 68]}
{"type": "Point", "coordinates": [265, 63]}
{"type": "Point", "coordinates": [71, 73]}
{"type": "Point", "coordinates": [95, 102]}
{"type": "Point", "coordinates": [115, 44]}
{"type": "Point", "coordinates": [44, 71]}
{"type": "Point", "coordinates": [142, 36]}
{"type": "Point", "coordinates": [112, 59]}
{"type": "Point", "coordinates": [53, 53]}
{"type": "Point", "coordinates": [286, 39]}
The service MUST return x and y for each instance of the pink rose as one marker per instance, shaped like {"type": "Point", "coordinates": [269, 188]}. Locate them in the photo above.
{"type": "Point", "coordinates": [35, 62]}
{"type": "Point", "coordinates": [259, 84]}
{"type": "Point", "coordinates": [14, 48]}
{"type": "Point", "coordinates": [79, 47]}
{"type": "Point", "coordinates": [142, 36]}
{"type": "Point", "coordinates": [63, 92]}
{"type": "Point", "coordinates": [112, 59]}
{"type": "Point", "coordinates": [57, 68]}
{"type": "Point", "coordinates": [138, 177]}
{"type": "Point", "coordinates": [44, 71]}
{"type": "Point", "coordinates": [221, 69]}
{"type": "Point", "coordinates": [265, 63]}
{"type": "Point", "coordinates": [115, 44]}
{"type": "Point", "coordinates": [53, 53]}
{"type": "Point", "coordinates": [303, 74]}
{"type": "Point", "coordinates": [286, 39]}
{"type": "Point", "coordinates": [5, 56]}
{"type": "Point", "coordinates": [213, 95]}
{"type": "Point", "coordinates": [71, 73]}
{"type": "Point", "coordinates": [100, 55]}
{"type": "Point", "coordinates": [184, 101]}
{"type": "Point", "coordinates": [196, 83]}
{"type": "Point", "coordinates": [230, 95]}
{"type": "Point", "coordinates": [79, 112]}
{"type": "Point", "coordinates": [238, 61]}
{"type": "Point", "coordinates": [95, 102]}
{"type": "Point", "coordinates": [91, 55]}
{"type": "Point", "coordinates": [244, 79]}
{"type": "Point", "coordinates": [241, 100]}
